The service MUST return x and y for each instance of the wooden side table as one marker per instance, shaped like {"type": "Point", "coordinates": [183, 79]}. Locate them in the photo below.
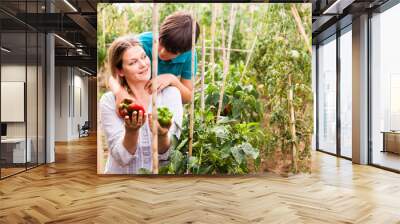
{"type": "Point", "coordinates": [391, 141]}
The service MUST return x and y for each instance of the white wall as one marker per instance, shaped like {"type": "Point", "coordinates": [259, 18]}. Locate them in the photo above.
{"type": "Point", "coordinates": [61, 103]}
{"type": "Point", "coordinates": [80, 110]}
{"type": "Point", "coordinates": [71, 94]}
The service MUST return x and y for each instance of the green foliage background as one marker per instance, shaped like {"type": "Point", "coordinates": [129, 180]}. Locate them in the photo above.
{"type": "Point", "coordinates": [254, 132]}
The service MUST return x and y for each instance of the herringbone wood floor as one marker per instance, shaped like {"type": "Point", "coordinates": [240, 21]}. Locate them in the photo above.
{"type": "Point", "coordinates": [70, 191]}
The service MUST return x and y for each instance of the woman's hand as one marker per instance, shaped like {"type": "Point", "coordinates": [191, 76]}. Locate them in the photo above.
{"type": "Point", "coordinates": [136, 121]}
{"type": "Point", "coordinates": [163, 139]}
{"type": "Point", "coordinates": [163, 81]}
{"type": "Point", "coordinates": [162, 131]}
{"type": "Point", "coordinates": [120, 96]}
{"type": "Point", "coordinates": [132, 126]}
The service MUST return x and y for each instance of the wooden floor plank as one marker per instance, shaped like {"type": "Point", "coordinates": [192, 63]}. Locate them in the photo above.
{"type": "Point", "coordinates": [70, 191]}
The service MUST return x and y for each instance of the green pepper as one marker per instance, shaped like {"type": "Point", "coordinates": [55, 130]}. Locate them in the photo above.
{"type": "Point", "coordinates": [164, 116]}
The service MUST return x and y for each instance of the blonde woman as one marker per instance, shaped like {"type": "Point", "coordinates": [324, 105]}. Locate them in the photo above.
{"type": "Point", "coordinates": [129, 139]}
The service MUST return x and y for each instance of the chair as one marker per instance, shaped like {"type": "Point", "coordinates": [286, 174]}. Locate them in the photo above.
{"type": "Point", "coordinates": [84, 130]}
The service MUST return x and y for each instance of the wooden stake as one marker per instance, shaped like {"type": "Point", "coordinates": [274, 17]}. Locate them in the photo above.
{"type": "Point", "coordinates": [292, 124]}
{"type": "Point", "coordinates": [226, 59]}
{"type": "Point", "coordinates": [300, 27]}
{"type": "Point", "coordinates": [214, 15]}
{"type": "Point", "coordinates": [193, 81]}
{"type": "Point", "coordinates": [154, 90]}
{"type": "Point", "coordinates": [223, 36]}
{"type": "Point", "coordinates": [103, 23]}
{"type": "Point", "coordinates": [251, 17]}
{"type": "Point", "coordinates": [249, 57]}
{"type": "Point", "coordinates": [203, 67]}
{"type": "Point", "coordinates": [125, 23]}
{"type": "Point", "coordinates": [259, 28]}
{"type": "Point", "coordinates": [231, 49]}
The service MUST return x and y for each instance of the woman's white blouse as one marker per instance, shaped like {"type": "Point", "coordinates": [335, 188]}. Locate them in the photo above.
{"type": "Point", "coordinates": [120, 161]}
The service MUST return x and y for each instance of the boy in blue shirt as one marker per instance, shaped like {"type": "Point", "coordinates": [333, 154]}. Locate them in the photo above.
{"type": "Point", "coordinates": [174, 56]}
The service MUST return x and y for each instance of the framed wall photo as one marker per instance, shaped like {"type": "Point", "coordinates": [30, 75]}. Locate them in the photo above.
{"type": "Point", "coordinates": [204, 89]}
{"type": "Point", "coordinates": [12, 100]}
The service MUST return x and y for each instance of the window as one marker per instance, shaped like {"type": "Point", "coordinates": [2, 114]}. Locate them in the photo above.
{"type": "Point", "coordinates": [22, 73]}
{"type": "Point", "coordinates": [346, 92]}
{"type": "Point", "coordinates": [327, 96]}
{"type": "Point", "coordinates": [385, 89]}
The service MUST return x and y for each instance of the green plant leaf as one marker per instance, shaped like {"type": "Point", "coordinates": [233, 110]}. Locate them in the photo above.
{"type": "Point", "coordinates": [249, 150]}
{"type": "Point", "coordinates": [220, 131]}
{"type": "Point", "coordinates": [144, 171]}
{"type": "Point", "coordinates": [176, 161]}
{"type": "Point", "coordinates": [226, 151]}
{"type": "Point", "coordinates": [193, 162]}
{"type": "Point", "coordinates": [183, 143]}
{"type": "Point", "coordinates": [205, 170]}
{"type": "Point", "coordinates": [237, 154]}
{"type": "Point", "coordinates": [226, 120]}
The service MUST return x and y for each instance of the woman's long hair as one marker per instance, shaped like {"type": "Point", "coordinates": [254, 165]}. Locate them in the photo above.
{"type": "Point", "coordinates": [115, 53]}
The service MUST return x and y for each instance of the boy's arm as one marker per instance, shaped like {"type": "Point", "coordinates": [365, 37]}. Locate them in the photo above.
{"type": "Point", "coordinates": [185, 86]}
{"type": "Point", "coordinates": [186, 90]}
{"type": "Point", "coordinates": [186, 80]}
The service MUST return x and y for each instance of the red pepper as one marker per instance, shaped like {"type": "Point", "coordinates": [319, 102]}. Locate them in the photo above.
{"type": "Point", "coordinates": [123, 112]}
{"type": "Point", "coordinates": [135, 107]}
{"type": "Point", "coordinates": [127, 107]}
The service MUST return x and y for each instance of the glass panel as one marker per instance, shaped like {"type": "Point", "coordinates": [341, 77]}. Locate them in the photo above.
{"type": "Point", "coordinates": [386, 89]}
{"type": "Point", "coordinates": [31, 84]}
{"type": "Point", "coordinates": [13, 86]}
{"type": "Point", "coordinates": [22, 81]}
{"type": "Point", "coordinates": [346, 94]}
{"type": "Point", "coordinates": [41, 99]}
{"type": "Point", "coordinates": [327, 96]}
{"type": "Point", "coordinates": [31, 100]}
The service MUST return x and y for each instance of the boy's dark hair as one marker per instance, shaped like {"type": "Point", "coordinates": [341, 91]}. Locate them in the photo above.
{"type": "Point", "coordinates": [176, 32]}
